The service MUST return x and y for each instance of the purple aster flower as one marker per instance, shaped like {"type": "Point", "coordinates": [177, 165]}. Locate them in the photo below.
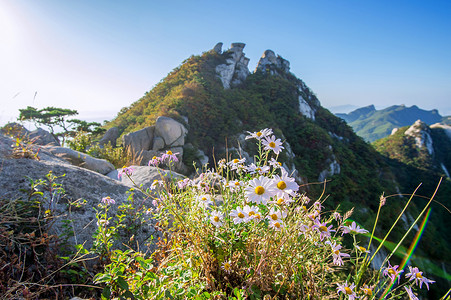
{"type": "Point", "coordinates": [392, 272]}
{"type": "Point", "coordinates": [417, 275]}
{"type": "Point", "coordinates": [108, 200]}
{"type": "Point", "coordinates": [125, 170]}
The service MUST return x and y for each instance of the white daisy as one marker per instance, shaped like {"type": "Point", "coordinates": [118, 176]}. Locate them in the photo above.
{"type": "Point", "coordinates": [276, 215]}
{"type": "Point", "coordinates": [216, 218]}
{"type": "Point", "coordinates": [236, 163]}
{"type": "Point", "coordinates": [235, 185]}
{"type": "Point", "coordinates": [259, 134]}
{"type": "Point", "coordinates": [204, 200]}
{"type": "Point", "coordinates": [284, 185]}
{"type": "Point", "coordinates": [251, 211]}
{"type": "Point", "coordinates": [252, 169]}
{"type": "Point", "coordinates": [239, 215]}
{"type": "Point", "coordinates": [271, 143]}
{"type": "Point", "coordinates": [276, 225]}
{"type": "Point", "coordinates": [259, 190]}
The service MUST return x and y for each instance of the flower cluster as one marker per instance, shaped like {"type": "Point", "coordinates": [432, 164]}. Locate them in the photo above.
{"type": "Point", "coordinates": [249, 221]}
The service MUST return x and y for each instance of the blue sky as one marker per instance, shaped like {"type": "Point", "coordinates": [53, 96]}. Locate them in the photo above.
{"type": "Point", "coordinates": [99, 56]}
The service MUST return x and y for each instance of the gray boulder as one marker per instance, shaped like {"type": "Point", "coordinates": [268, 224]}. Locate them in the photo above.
{"type": "Point", "coordinates": [140, 140]}
{"type": "Point", "coordinates": [110, 136]}
{"type": "Point", "coordinates": [43, 137]}
{"type": "Point", "coordinates": [83, 160]}
{"type": "Point", "coordinates": [158, 144]}
{"type": "Point", "coordinates": [78, 183]}
{"type": "Point", "coordinates": [172, 132]}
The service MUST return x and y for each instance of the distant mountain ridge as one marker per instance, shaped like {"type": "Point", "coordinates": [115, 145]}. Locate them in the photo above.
{"type": "Point", "coordinates": [372, 124]}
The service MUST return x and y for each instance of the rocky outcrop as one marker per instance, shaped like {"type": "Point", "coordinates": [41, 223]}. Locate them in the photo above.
{"type": "Point", "coordinates": [166, 134]}
{"type": "Point", "coordinates": [305, 109]}
{"type": "Point", "coordinates": [235, 70]}
{"type": "Point", "coordinates": [170, 131]}
{"type": "Point", "coordinates": [445, 127]}
{"type": "Point", "coordinates": [274, 65]}
{"type": "Point", "coordinates": [83, 160]}
{"type": "Point", "coordinates": [421, 133]}
{"type": "Point", "coordinates": [271, 64]}
{"type": "Point", "coordinates": [110, 136]}
{"type": "Point", "coordinates": [38, 137]}
{"type": "Point", "coordinates": [333, 168]}
{"type": "Point", "coordinates": [43, 137]}
{"type": "Point", "coordinates": [140, 140]}
{"type": "Point", "coordinates": [218, 48]}
{"type": "Point", "coordinates": [78, 183]}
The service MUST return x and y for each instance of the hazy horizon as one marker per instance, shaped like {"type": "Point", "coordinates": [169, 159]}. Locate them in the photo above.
{"type": "Point", "coordinates": [97, 57]}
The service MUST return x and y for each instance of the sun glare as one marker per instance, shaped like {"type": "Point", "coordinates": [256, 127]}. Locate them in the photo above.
{"type": "Point", "coordinates": [7, 27]}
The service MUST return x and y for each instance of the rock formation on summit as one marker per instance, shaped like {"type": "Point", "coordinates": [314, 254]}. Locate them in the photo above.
{"type": "Point", "coordinates": [235, 70]}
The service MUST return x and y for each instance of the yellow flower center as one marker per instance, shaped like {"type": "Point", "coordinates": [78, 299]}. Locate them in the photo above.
{"type": "Point", "coordinates": [337, 252]}
{"type": "Point", "coordinates": [257, 216]}
{"type": "Point", "coordinates": [274, 217]}
{"type": "Point", "coordinates": [204, 199]}
{"type": "Point", "coordinates": [259, 190]}
{"type": "Point", "coordinates": [368, 291]}
{"type": "Point", "coordinates": [323, 228]}
{"type": "Point", "coordinates": [281, 185]}
{"type": "Point", "coordinates": [304, 207]}
{"type": "Point", "coordinates": [391, 271]}
{"type": "Point", "coordinates": [169, 152]}
{"type": "Point", "coordinates": [272, 144]}
{"type": "Point", "coordinates": [237, 183]}
{"type": "Point", "coordinates": [280, 164]}
{"type": "Point", "coordinates": [227, 266]}
{"type": "Point", "coordinates": [277, 224]}
{"type": "Point", "coordinates": [280, 201]}
{"type": "Point", "coordinates": [362, 249]}
{"type": "Point", "coordinates": [251, 213]}
{"type": "Point", "coordinates": [259, 134]}
{"type": "Point", "coordinates": [153, 158]}
{"type": "Point", "coordinates": [418, 275]}
{"type": "Point", "coordinates": [216, 218]}
{"type": "Point", "coordinates": [235, 161]}
{"type": "Point", "coordinates": [240, 215]}
{"type": "Point", "coordinates": [348, 290]}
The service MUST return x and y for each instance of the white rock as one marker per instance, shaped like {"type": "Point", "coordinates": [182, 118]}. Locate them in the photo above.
{"type": "Point", "coordinates": [305, 109]}
{"type": "Point", "coordinates": [420, 132]}
{"type": "Point", "coordinates": [334, 168]}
